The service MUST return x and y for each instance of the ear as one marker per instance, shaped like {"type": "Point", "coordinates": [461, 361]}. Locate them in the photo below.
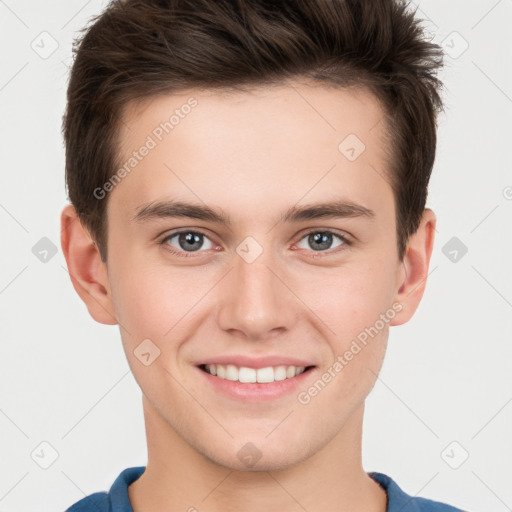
{"type": "Point", "coordinates": [88, 273]}
{"type": "Point", "coordinates": [415, 265]}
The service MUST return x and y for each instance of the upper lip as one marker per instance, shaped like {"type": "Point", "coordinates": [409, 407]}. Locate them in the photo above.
{"type": "Point", "coordinates": [256, 362]}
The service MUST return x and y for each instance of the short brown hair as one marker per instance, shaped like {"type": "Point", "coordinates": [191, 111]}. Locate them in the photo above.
{"type": "Point", "coordinates": [139, 48]}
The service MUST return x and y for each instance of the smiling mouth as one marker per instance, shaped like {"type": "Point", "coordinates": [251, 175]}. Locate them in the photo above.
{"type": "Point", "coordinates": [248, 375]}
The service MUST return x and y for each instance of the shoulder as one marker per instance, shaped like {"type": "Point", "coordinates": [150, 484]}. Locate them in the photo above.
{"type": "Point", "coordinates": [426, 505]}
{"type": "Point", "coordinates": [97, 502]}
{"type": "Point", "coordinates": [400, 500]}
{"type": "Point", "coordinates": [115, 500]}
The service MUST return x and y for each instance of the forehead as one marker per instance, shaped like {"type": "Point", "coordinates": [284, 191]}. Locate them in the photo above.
{"type": "Point", "coordinates": [265, 146]}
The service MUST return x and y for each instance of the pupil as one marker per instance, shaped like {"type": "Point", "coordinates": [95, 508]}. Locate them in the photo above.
{"type": "Point", "coordinates": [190, 241]}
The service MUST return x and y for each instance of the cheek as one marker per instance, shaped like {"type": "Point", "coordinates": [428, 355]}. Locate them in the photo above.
{"type": "Point", "coordinates": [349, 299]}
{"type": "Point", "coordinates": [357, 310]}
{"type": "Point", "coordinates": [152, 301]}
{"type": "Point", "coordinates": [155, 304]}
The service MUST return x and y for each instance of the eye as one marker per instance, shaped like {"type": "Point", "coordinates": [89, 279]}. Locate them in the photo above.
{"type": "Point", "coordinates": [186, 241]}
{"type": "Point", "coordinates": [321, 241]}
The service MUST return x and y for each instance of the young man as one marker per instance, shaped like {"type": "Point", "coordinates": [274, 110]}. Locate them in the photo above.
{"type": "Point", "coordinates": [248, 183]}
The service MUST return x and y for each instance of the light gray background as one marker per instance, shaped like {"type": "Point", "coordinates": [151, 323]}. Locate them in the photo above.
{"type": "Point", "coordinates": [445, 390]}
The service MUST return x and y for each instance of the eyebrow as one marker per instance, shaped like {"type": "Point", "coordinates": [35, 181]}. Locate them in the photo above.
{"type": "Point", "coordinates": [176, 209]}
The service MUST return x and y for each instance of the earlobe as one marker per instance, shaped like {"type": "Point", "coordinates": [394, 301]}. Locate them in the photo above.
{"type": "Point", "coordinates": [415, 264]}
{"type": "Point", "coordinates": [87, 272]}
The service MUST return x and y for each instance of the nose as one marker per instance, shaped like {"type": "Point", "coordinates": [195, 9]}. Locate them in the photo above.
{"type": "Point", "coordinates": [256, 302]}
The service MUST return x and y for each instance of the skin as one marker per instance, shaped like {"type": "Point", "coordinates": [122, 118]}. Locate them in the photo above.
{"type": "Point", "coordinates": [276, 147]}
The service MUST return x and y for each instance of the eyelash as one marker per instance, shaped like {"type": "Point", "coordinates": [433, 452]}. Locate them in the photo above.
{"type": "Point", "coordinates": [319, 254]}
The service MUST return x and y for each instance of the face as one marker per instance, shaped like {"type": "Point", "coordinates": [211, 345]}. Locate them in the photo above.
{"type": "Point", "coordinates": [285, 257]}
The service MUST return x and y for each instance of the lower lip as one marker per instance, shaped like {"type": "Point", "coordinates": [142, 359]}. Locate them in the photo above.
{"type": "Point", "coordinates": [256, 391]}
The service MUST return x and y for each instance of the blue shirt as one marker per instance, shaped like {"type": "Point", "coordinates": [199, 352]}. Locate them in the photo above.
{"type": "Point", "coordinates": [117, 500]}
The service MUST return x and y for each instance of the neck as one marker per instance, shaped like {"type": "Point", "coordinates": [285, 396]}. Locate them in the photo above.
{"type": "Point", "coordinates": [179, 478]}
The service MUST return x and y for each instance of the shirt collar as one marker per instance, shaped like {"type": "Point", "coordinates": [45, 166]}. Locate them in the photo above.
{"type": "Point", "coordinates": [396, 498]}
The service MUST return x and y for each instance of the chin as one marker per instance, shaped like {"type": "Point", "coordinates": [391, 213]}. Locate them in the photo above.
{"type": "Point", "coordinates": [257, 454]}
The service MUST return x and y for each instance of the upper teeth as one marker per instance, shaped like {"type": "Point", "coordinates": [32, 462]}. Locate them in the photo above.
{"type": "Point", "coordinates": [245, 374]}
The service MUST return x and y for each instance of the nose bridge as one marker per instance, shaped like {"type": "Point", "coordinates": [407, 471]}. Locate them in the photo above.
{"type": "Point", "coordinates": [256, 281]}
{"type": "Point", "coordinates": [255, 301]}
